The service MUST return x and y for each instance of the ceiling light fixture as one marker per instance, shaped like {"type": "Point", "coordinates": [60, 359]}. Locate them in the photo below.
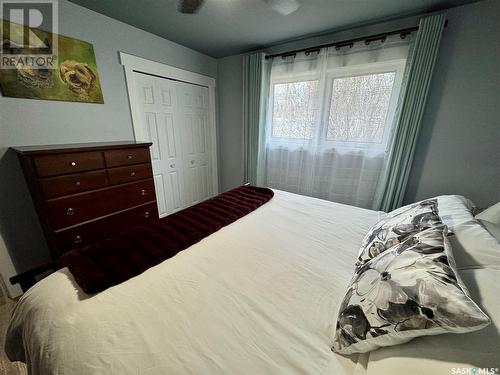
{"type": "Point", "coordinates": [284, 7]}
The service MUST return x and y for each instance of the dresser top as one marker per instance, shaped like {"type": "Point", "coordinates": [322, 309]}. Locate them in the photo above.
{"type": "Point", "coordinates": [77, 147]}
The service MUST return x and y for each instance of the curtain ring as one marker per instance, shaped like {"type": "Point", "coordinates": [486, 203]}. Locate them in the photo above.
{"type": "Point", "coordinates": [292, 55]}
{"type": "Point", "coordinates": [404, 34]}
{"type": "Point", "coordinates": [311, 51]}
{"type": "Point", "coordinates": [340, 45]}
{"type": "Point", "coordinates": [381, 38]}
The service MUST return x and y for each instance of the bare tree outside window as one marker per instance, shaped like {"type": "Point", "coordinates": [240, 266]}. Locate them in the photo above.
{"type": "Point", "coordinates": [358, 107]}
{"type": "Point", "coordinates": [357, 110]}
{"type": "Point", "coordinates": [294, 109]}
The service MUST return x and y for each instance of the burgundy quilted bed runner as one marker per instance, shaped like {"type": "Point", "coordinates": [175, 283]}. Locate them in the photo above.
{"type": "Point", "coordinates": [117, 259]}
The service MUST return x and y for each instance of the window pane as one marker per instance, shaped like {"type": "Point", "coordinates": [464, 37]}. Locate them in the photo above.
{"type": "Point", "coordinates": [294, 109]}
{"type": "Point", "coordinates": [358, 109]}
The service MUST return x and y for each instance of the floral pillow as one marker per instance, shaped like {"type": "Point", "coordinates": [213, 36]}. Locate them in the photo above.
{"type": "Point", "coordinates": [410, 290]}
{"type": "Point", "coordinates": [396, 227]}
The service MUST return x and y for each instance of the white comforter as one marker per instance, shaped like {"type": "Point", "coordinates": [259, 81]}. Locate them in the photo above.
{"type": "Point", "coordinates": [260, 296]}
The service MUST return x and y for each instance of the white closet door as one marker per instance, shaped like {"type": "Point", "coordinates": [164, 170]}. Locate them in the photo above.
{"type": "Point", "coordinates": [193, 111]}
{"type": "Point", "coordinates": [157, 102]}
{"type": "Point", "coordinates": [175, 118]}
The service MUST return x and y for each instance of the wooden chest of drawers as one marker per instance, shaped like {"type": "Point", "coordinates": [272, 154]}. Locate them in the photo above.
{"type": "Point", "coordinates": [87, 192]}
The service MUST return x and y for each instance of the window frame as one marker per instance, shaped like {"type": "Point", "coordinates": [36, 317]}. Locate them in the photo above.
{"type": "Point", "coordinates": [396, 66]}
{"type": "Point", "coordinates": [325, 85]}
{"type": "Point", "coordinates": [292, 79]}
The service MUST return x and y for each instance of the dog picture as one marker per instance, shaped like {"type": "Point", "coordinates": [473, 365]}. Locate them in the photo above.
{"type": "Point", "coordinates": [30, 77]}
{"type": "Point", "coordinates": [78, 76]}
{"type": "Point", "coordinates": [57, 68]}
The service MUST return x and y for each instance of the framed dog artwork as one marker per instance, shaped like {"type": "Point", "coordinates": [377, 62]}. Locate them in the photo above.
{"type": "Point", "coordinates": [67, 73]}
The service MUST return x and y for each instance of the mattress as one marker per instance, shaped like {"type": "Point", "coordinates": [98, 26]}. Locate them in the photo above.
{"type": "Point", "coordinates": [259, 296]}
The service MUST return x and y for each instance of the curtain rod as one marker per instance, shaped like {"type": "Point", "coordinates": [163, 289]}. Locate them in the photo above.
{"type": "Point", "coordinates": [347, 42]}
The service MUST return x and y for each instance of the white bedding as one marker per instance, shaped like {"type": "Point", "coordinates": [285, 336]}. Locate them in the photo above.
{"type": "Point", "coordinates": [260, 296]}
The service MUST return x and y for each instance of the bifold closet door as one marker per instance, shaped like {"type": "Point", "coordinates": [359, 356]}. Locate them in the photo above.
{"type": "Point", "coordinates": [193, 120]}
{"type": "Point", "coordinates": [175, 118]}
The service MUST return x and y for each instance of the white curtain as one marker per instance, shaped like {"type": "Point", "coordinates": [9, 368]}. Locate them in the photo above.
{"type": "Point", "coordinates": [329, 119]}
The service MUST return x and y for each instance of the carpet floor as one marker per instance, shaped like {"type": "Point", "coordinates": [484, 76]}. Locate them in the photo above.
{"type": "Point", "coordinates": [6, 366]}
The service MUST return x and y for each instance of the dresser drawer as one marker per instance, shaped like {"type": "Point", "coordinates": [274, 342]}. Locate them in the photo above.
{"type": "Point", "coordinates": [121, 175]}
{"type": "Point", "coordinates": [71, 210]}
{"type": "Point", "coordinates": [53, 165]}
{"type": "Point", "coordinates": [73, 183]}
{"type": "Point", "coordinates": [82, 235]}
{"type": "Point", "coordinates": [126, 156]}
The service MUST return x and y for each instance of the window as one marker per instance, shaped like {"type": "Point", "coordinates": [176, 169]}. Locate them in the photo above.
{"type": "Point", "coordinates": [358, 107]}
{"type": "Point", "coordinates": [294, 109]}
{"type": "Point", "coordinates": [329, 120]}
{"type": "Point", "coordinates": [350, 107]}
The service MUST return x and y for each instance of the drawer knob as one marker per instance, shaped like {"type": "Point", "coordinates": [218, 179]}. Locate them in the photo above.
{"type": "Point", "coordinates": [129, 157]}
{"type": "Point", "coordinates": [146, 214]}
{"type": "Point", "coordinates": [70, 211]}
{"type": "Point", "coordinates": [73, 163]}
{"type": "Point", "coordinates": [132, 174]}
{"type": "Point", "coordinates": [172, 165]}
{"type": "Point", "coordinates": [143, 192]}
{"type": "Point", "coordinates": [192, 161]}
{"type": "Point", "coordinates": [78, 183]}
{"type": "Point", "coordinates": [78, 239]}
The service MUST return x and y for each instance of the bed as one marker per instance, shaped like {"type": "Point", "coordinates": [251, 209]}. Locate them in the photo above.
{"type": "Point", "coordinates": [259, 296]}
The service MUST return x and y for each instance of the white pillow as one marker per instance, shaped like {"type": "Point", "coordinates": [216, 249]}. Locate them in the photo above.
{"type": "Point", "coordinates": [491, 214]}
{"type": "Point", "coordinates": [455, 210]}
{"type": "Point", "coordinates": [474, 246]}
{"type": "Point", "coordinates": [492, 228]}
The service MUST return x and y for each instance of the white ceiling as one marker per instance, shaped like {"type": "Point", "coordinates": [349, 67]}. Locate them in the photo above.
{"type": "Point", "coordinates": [227, 27]}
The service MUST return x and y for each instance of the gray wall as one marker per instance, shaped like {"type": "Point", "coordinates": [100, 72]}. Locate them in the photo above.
{"type": "Point", "coordinates": [458, 149]}
{"type": "Point", "coordinates": [31, 122]}
{"type": "Point", "coordinates": [459, 145]}
{"type": "Point", "coordinates": [230, 88]}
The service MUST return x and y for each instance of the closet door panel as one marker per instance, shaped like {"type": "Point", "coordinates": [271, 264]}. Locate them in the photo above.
{"type": "Point", "coordinates": [170, 142]}
{"type": "Point", "coordinates": [203, 155]}
{"type": "Point", "coordinates": [176, 199]}
{"type": "Point", "coordinates": [176, 119]}
{"type": "Point", "coordinates": [157, 105]}
{"type": "Point", "coordinates": [196, 140]}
